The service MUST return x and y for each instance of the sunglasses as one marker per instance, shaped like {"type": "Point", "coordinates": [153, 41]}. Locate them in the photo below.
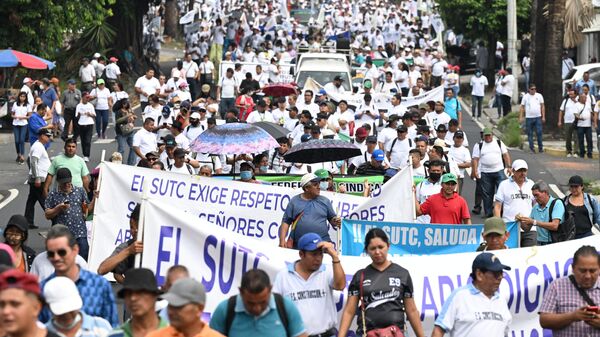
{"type": "Point", "coordinates": [60, 252]}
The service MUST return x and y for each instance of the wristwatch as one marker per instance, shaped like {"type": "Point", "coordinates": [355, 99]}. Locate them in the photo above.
{"type": "Point", "coordinates": [535, 222]}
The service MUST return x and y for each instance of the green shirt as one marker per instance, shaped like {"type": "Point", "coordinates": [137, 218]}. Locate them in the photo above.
{"type": "Point", "coordinates": [125, 329]}
{"type": "Point", "coordinates": [75, 164]}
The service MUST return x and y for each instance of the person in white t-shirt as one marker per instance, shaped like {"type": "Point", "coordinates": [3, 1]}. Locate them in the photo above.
{"type": "Point", "coordinates": [478, 84]}
{"type": "Point", "coordinates": [584, 126]}
{"type": "Point", "coordinates": [438, 116]}
{"type": "Point", "coordinates": [103, 104]}
{"type": "Point", "coordinates": [227, 91]}
{"type": "Point", "coordinates": [461, 156]}
{"type": "Point", "coordinates": [335, 86]}
{"type": "Point", "coordinates": [507, 84]}
{"type": "Point", "coordinates": [144, 139]}
{"type": "Point", "coordinates": [20, 112]}
{"type": "Point", "coordinates": [261, 114]}
{"type": "Point", "coordinates": [532, 110]}
{"type": "Point", "coordinates": [397, 151]}
{"type": "Point", "coordinates": [568, 109]}
{"type": "Point", "coordinates": [181, 163]}
{"type": "Point", "coordinates": [39, 163]}
{"type": "Point", "coordinates": [310, 276]}
{"type": "Point", "coordinates": [86, 115]}
{"type": "Point", "coordinates": [514, 197]}
{"type": "Point", "coordinates": [146, 86]}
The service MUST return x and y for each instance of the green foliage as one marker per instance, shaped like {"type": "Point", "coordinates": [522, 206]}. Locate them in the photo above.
{"type": "Point", "coordinates": [96, 38]}
{"type": "Point", "coordinates": [510, 128]}
{"type": "Point", "coordinates": [477, 19]}
{"type": "Point", "coordinates": [41, 27]}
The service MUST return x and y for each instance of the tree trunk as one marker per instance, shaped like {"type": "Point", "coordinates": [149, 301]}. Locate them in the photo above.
{"type": "Point", "coordinates": [552, 79]}
{"type": "Point", "coordinates": [538, 43]}
{"type": "Point", "coordinates": [171, 19]}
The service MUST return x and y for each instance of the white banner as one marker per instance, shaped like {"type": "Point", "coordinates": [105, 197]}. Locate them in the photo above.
{"type": "Point", "coordinates": [218, 258]}
{"type": "Point", "coordinates": [252, 210]}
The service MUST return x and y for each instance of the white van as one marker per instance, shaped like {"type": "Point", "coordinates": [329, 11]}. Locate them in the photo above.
{"type": "Point", "coordinates": [323, 67]}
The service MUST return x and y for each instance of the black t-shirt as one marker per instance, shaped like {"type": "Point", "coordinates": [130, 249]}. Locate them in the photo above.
{"type": "Point", "coordinates": [582, 218]}
{"type": "Point", "coordinates": [383, 293]}
{"type": "Point", "coordinates": [368, 169]}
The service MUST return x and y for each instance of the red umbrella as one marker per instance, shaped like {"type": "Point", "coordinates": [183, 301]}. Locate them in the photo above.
{"type": "Point", "coordinates": [11, 58]}
{"type": "Point", "coordinates": [280, 89]}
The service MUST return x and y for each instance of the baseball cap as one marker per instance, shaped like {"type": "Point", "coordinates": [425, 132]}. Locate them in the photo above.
{"type": "Point", "coordinates": [62, 295]}
{"type": "Point", "coordinates": [113, 59]}
{"type": "Point", "coordinates": [442, 127]}
{"type": "Point", "coordinates": [205, 88]}
{"type": "Point", "coordinates": [178, 153]}
{"type": "Point", "coordinates": [195, 115]}
{"type": "Point", "coordinates": [305, 138]}
{"type": "Point", "coordinates": [96, 55]}
{"type": "Point", "coordinates": [361, 132]}
{"type": "Point", "coordinates": [372, 139]}
{"type": "Point", "coordinates": [170, 141]}
{"type": "Point", "coordinates": [309, 241]}
{"type": "Point", "coordinates": [183, 85]}
{"type": "Point", "coordinates": [449, 177]}
{"type": "Point", "coordinates": [519, 164]}
{"type": "Point", "coordinates": [441, 143]}
{"type": "Point", "coordinates": [100, 81]}
{"type": "Point", "coordinates": [576, 180]}
{"type": "Point", "coordinates": [459, 134]}
{"type": "Point", "coordinates": [19, 221]}
{"type": "Point", "coordinates": [378, 155]}
{"type": "Point", "coordinates": [487, 131]}
{"type": "Point", "coordinates": [338, 78]}
{"type": "Point", "coordinates": [63, 175]}
{"type": "Point", "coordinates": [307, 178]}
{"type": "Point", "coordinates": [27, 80]}
{"type": "Point", "coordinates": [402, 128]}
{"type": "Point", "coordinates": [46, 132]}
{"type": "Point", "coordinates": [322, 173]}
{"type": "Point", "coordinates": [367, 84]}
{"type": "Point", "coordinates": [139, 279]}
{"type": "Point", "coordinates": [488, 261]}
{"type": "Point", "coordinates": [71, 81]}
{"type": "Point", "coordinates": [322, 92]}
{"type": "Point", "coordinates": [17, 279]}
{"type": "Point", "coordinates": [185, 291]}
{"type": "Point", "coordinates": [494, 225]}
{"type": "Point", "coordinates": [152, 154]}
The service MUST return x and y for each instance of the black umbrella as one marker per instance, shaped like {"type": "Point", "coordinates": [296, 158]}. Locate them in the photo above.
{"type": "Point", "coordinates": [321, 150]}
{"type": "Point", "coordinates": [275, 130]}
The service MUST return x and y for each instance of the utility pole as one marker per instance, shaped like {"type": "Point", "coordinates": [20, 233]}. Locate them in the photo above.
{"type": "Point", "coordinates": [511, 41]}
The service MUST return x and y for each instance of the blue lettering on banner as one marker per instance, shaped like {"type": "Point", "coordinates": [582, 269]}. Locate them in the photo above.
{"type": "Point", "coordinates": [245, 226]}
{"type": "Point", "coordinates": [122, 236]}
{"type": "Point", "coordinates": [137, 182]}
{"type": "Point", "coordinates": [417, 239]}
{"type": "Point", "coordinates": [164, 255]}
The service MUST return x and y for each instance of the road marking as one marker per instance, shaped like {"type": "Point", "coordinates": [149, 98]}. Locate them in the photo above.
{"type": "Point", "coordinates": [13, 194]}
{"type": "Point", "coordinates": [104, 141]}
{"type": "Point", "coordinates": [557, 190]}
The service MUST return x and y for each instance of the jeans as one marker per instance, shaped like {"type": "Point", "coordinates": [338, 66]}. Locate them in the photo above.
{"type": "Point", "coordinates": [193, 84]}
{"type": "Point", "coordinates": [86, 138]}
{"type": "Point", "coordinates": [225, 105]}
{"type": "Point", "coordinates": [122, 142]}
{"type": "Point", "coordinates": [35, 195]}
{"type": "Point", "coordinates": [506, 104]}
{"type": "Point", "coordinates": [569, 129]}
{"type": "Point", "coordinates": [20, 132]}
{"type": "Point", "coordinates": [478, 195]}
{"type": "Point", "coordinates": [477, 105]}
{"type": "Point", "coordinates": [69, 116]}
{"type": "Point", "coordinates": [587, 132]}
{"type": "Point", "coordinates": [498, 103]}
{"type": "Point", "coordinates": [101, 122]}
{"type": "Point", "coordinates": [489, 185]}
{"type": "Point", "coordinates": [531, 125]}
{"type": "Point", "coordinates": [436, 81]}
{"type": "Point", "coordinates": [84, 247]}
{"type": "Point", "coordinates": [526, 73]}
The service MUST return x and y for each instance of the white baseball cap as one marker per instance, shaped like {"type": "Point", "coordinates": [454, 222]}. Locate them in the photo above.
{"type": "Point", "coordinates": [519, 164]}
{"type": "Point", "coordinates": [307, 178]}
{"type": "Point", "coordinates": [27, 80]}
{"type": "Point", "coordinates": [62, 295]}
{"type": "Point", "coordinates": [195, 115]}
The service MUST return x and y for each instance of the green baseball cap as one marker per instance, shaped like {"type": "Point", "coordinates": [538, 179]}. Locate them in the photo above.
{"type": "Point", "coordinates": [448, 177]}
{"type": "Point", "coordinates": [494, 225]}
{"type": "Point", "coordinates": [367, 84]}
{"type": "Point", "coordinates": [322, 173]}
{"type": "Point", "coordinates": [487, 131]}
{"type": "Point", "coordinates": [100, 81]}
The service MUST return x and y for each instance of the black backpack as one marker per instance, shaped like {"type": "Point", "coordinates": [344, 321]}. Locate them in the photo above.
{"type": "Point", "coordinates": [566, 229]}
{"type": "Point", "coordinates": [280, 310]}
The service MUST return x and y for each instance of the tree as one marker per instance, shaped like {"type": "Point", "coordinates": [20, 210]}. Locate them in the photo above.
{"type": "Point", "coordinates": [41, 27]}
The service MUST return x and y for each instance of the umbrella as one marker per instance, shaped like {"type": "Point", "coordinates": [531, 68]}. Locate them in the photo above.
{"type": "Point", "coordinates": [233, 138]}
{"type": "Point", "coordinates": [11, 58]}
{"type": "Point", "coordinates": [275, 130]}
{"type": "Point", "coordinates": [321, 150]}
{"type": "Point", "coordinates": [279, 89]}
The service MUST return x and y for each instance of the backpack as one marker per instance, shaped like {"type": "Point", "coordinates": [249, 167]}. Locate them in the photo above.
{"type": "Point", "coordinates": [410, 144]}
{"type": "Point", "coordinates": [280, 310]}
{"type": "Point", "coordinates": [566, 229]}
{"type": "Point", "coordinates": [499, 145]}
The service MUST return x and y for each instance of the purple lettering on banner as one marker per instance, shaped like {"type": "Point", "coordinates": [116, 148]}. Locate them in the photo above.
{"type": "Point", "coordinates": [235, 195]}
{"type": "Point", "coordinates": [275, 235]}
{"type": "Point", "coordinates": [428, 294]}
{"type": "Point", "coordinates": [165, 255]}
{"type": "Point", "coordinates": [245, 252]}
{"type": "Point", "coordinates": [225, 285]}
{"type": "Point", "coordinates": [136, 183]}
{"type": "Point", "coordinates": [548, 277]}
{"type": "Point", "coordinates": [211, 240]}
{"type": "Point", "coordinates": [567, 265]}
{"type": "Point", "coordinates": [444, 281]}
{"type": "Point", "coordinates": [259, 255]}
{"type": "Point", "coordinates": [154, 187]}
{"type": "Point", "coordinates": [511, 289]}
{"type": "Point", "coordinates": [518, 283]}
{"type": "Point", "coordinates": [530, 306]}
{"type": "Point", "coordinates": [130, 207]}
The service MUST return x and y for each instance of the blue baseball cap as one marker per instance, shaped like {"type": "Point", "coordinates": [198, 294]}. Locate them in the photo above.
{"type": "Point", "coordinates": [309, 241]}
{"type": "Point", "coordinates": [489, 261]}
{"type": "Point", "coordinates": [322, 92]}
{"type": "Point", "coordinates": [378, 155]}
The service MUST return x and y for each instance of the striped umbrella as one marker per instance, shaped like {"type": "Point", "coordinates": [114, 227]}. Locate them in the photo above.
{"type": "Point", "coordinates": [233, 138]}
{"type": "Point", "coordinates": [11, 58]}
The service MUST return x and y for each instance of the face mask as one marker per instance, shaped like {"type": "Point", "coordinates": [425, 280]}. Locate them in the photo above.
{"type": "Point", "coordinates": [298, 165]}
{"type": "Point", "coordinates": [42, 86]}
{"type": "Point", "coordinates": [264, 168]}
{"type": "Point", "coordinates": [435, 176]}
{"type": "Point", "coordinates": [478, 74]}
{"type": "Point", "coordinates": [246, 175]}
{"type": "Point", "coordinates": [323, 185]}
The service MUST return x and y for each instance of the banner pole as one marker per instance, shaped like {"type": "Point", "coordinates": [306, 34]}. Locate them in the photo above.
{"type": "Point", "coordinates": [141, 222]}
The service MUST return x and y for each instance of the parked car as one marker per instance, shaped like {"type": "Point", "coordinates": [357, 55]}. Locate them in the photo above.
{"type": "Point", "coordinates": [577, 73]}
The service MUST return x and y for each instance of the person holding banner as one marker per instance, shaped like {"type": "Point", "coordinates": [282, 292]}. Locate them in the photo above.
{"type": "Point", "coordinates": [446, 207]}
{"type": "Point", "coordinates": [309, 276]}
{"type": "Point", "coordinates": [385, 292]}
{"type": "Point", "coordinates": [306, 213]}
{"type": "Point", "coordinates": [494, 234]}
{"type": "Point", "coordinates": [477, 309]}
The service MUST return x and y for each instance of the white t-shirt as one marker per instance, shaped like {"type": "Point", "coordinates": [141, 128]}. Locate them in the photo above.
{"type": "Point", "coordinates": [207, 67]}
{"type": "Point", "coordinates": [507, 85]}
{"type": "Point", "coordinates": [256, 116]}
{"type": "Point", "coordinates": [145, 140]}
{"type": "Point", "coordinates": [112, 70]}
{"type": "Point", "coordinates": [585, 115]}
{"type": "Point", "coordinates": [478, 84]}
{"type": "Point", "coordinates": [182, 141]}
{"type": "Point", "coordinates": [290, 284]}
{"type": "Point", "coordinates": [532, 105]}
{"type": "Point", "coordinates": [228, 86]}
{"type": "Point", "coordinates": [438, 119]}
{"type": "Point", "coordinates": [515, 199]}
{"type": "Point", "coordinates": [570, 108]}
{"type": "Point", "coordinates": [101, 98]}
{"type": "Point", "coordinates": [192, 132]}
{"type": "Point", "coordinates": [386, 136]}
{"type": "Point", "coordinates": [490, 159]}
{"type": "Point", "coordinates": [86, 113]}
{"type": "Point", "coordinates": [399, 152]}
{"type": "Point", "coordinates": [38, 150]}
{"type": "Point", "coordinates": [20, 111]}
{"type": "Point", "coordinates": [189, 69]}
{"type": "Point", "coordinates": [460, 155]}
{"type": "Point", "coordinates": [437, 67]}
{"type": "Point", "coordinates": [148, 87]}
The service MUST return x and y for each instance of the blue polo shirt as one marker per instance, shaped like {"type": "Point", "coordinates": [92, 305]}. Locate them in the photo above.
{"type": "Point", "coordinates": [541, 214]}
{"type": "Point", "coordinates": [36, 122]}
{"type": "Point", "coordinates": [268, 324]}
{"type": "Point", "coordinates": [91, 326]}
{"type": "Point", "coordinates": [49, 96]}
{"type": "Point", "coordinates": [452, 106]}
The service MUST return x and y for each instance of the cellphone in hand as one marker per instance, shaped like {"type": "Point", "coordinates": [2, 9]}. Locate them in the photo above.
{"type": "Point", "coordinates": [591, 308]}
{"type": "Point", "coordinates": [66, 202]}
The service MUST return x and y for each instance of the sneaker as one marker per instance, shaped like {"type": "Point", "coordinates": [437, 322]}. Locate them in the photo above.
{"type": "Point", "coordinates": [569, 155]}
{"type": "Point", "coordinates": [476, 210]}
{"type": "Point", "coordinates": [86, 159]}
